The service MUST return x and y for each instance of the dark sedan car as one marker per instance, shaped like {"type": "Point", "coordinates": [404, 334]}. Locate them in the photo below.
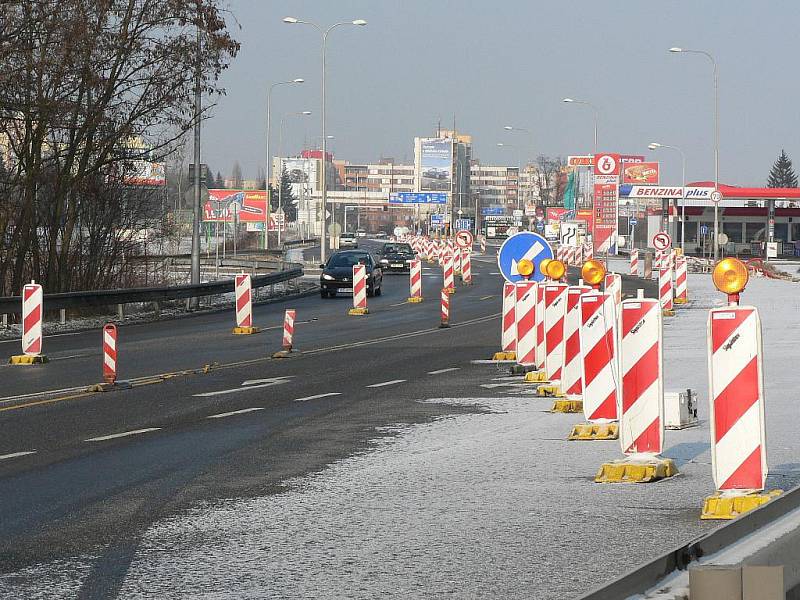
{"type": "Point", "coordinates": [337, 273]}
{"type": "Point", "coordinates": [395, 256]}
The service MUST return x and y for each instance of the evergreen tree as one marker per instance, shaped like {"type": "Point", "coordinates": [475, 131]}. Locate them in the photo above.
{"type": "Point", "coordinates": [220, 182]}
{"type": "Point", "coordinates": [782, 174]}
{"type": "Point", "coordinates": [236, 176]}
{"type": "Point", "coordinates": [288, 201]}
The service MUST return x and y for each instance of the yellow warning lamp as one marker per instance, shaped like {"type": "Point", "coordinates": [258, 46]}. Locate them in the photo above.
{"type": "Point", "coordinates": [730, 277]}
{"type": "Point", "coordinates": [525, 267]}
{"type": "Point", "coordinates": [593, 272]}
{"type": "Point", "coordinates": [543, 266]}
{"type": "Point", "coordinates": [556, 270]}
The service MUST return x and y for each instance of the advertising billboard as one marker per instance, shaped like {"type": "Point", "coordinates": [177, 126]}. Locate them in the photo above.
{"type": "Point", "coordinates": [302, 175]}
{"type": "Point", "coordinates": [436, 164]}
{"type": "Point", "coordinates": [145, 173]}
{"type": "Point", "coordinates": [644, 173]}
{"type": "Point", "coordinates": [246, 206]}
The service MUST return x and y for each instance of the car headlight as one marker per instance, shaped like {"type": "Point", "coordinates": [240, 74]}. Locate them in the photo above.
{"type": "Point", "coordinates": [384, 261]}
{"type": "Point", "coordinates": [328, 277]}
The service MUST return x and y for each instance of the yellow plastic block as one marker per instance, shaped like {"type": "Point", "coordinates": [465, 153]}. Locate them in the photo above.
{"type": "Point", "coordinates": [24, 359]}
{"type": "Point", "coordinates": [415, 299]}
{"type": "Point", "coordinates": [451, 290]}
{"type": "Point", "coordinates": [550, 391]}
{"type": "Point", "coordinates": [282, 354]}
{"type": "Point", "coordinates": [668, 313]}
{"type": "Point", "coordinates": [567, 406]}
{"type": "Point", "coordinates": [636, 470]}
{"type": "Point", "coordinates": [504, 356]}
{"type": "Point", "coordinates": [535, 377]}
{"type": "Point", "coordinates": [595, 431]}
{"type": "Point", "coordinates": [680, 301]}
{"type": "Point", "coordinates": [721, 505]}
{"type": "Point", "coordinates": [358, 311]}
{"type": "Point", "coordinates": [245, 330]}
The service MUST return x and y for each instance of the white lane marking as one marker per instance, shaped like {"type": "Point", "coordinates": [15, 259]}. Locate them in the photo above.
{"type": "Point", "coordinates": [114, 436]}
{"type": "Point", "coordinates": [440, 371]}
{"type": "Point", "coordinates": [495, 273]}
{"type": "Point", "coordinates": [16, 454]}
{"type": "Point", "coordinates": [399, 304]}
{"type": "Point", "coordinates": [317, 396]}
{"type": "Point", "coordinates": [385, 383]}
{"type": "Point", "coordinates": [52, 358]}
{"type": "Point", "coordinates": [52, 335]}
{"type": "Point", "coordinates": [234, 412]}
{"type": "Point", "coordinates": [244, 388]}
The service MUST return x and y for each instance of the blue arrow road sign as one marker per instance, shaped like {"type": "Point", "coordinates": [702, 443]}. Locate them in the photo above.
{"type": "Point", "coordinates": [525, 244]}
{"type": "Point", "coordinates": [633, 221]}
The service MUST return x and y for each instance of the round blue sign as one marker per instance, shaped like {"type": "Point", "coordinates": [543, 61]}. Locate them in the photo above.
{"type": "Point", "coordinates": [523, 245]}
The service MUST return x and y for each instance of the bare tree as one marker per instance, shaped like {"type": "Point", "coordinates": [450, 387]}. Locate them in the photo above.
{"type": "Point", "coordinates": [549, 180]}
{"type": "Point", "coordinates": [236, 176]}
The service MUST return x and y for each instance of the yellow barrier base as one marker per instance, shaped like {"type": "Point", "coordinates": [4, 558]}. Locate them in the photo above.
{"type": "Point", "coordinates": [245, 330]}
{"type": "Point", "coordinates": [282, 354]}
{"type": "Point", "coordinates": [535, 377]}
{"type": "Point", "coordinates": [636, 470]}
{"type": "Point", "coordinates": [457, 273]}
{"type": "Point", "coordinates": [24, 359]}
{"type": "Point", "coordinates": [451, 290]}
{"type": "Point", "coordinates": [680, 301]}
{"type": "Point", "coordinates": [505, 356]}
{"type": "Point", "coordinates": [567, 406]}
{"type": "Point", "coordinates": [668, 313]}
{"type": "Point", "coordinates": [415, 299]}
{"type": "Point", "coordinates": [721, 505]}
{"type": "Point", "coordinates": [358, 311]}
{"type": "Point", "coordinates": [594, 431]}
{"type": "Point", "coordinates": [550, 391]}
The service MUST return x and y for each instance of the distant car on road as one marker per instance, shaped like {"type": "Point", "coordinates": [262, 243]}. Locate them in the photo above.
{"type": "Point", "coordinates": [361, 233]}
{"type": "Point", "coordinates": [381, 235]}
{"type": "Point", "coordinates": [337, 273]}
{"type": "Point", "coordinates": [396, 256]}
{"type": "Point", "coordinates": [348, 240]}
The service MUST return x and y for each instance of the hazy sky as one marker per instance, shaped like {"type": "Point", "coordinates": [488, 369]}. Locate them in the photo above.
{"type": "Point", "coordinates": [492, 63]}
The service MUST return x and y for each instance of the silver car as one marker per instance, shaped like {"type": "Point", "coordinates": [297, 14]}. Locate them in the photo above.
{"type": "Point", "coordinates": [348, 240]}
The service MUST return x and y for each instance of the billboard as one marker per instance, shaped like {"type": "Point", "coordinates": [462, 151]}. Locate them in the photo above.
{"type": "Point", "coordinates": [417, 198]}
{"type": "Point", "coordinates": [145, 173]}
{"type": "Point", "coordinates": [581, 160]}
{"type": "Point", "coordinates": [436, 164]}
{"type": "Point", "coordinates": [246, 206]}
{"type": "Point", "coordinates": [302, 173]}
{"type": "Point", "coordinates": [643, 173]}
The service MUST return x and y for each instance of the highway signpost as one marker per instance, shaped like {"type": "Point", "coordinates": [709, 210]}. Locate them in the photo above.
{"type": "Point", "coordinates": [523, 245]}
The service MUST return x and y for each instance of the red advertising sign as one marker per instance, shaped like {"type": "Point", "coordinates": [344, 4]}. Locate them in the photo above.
{"type": "Point", "coordinates": [643, 173]}
{"type": "Point", "coordinates": [246, 206]}
{"type": "Point", "coordinates": [561, 214]}
{"type": "Point", "coordinates": [606, 196]}
{"type": "Point", "coordinates": [607, 164]}
{"type": "Point", "coordinates": [582, 160]}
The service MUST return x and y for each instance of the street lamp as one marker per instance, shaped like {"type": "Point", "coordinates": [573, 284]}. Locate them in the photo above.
{"type": "Point", "coordinates": [324, 32]}
{"type": "Point", "coordinates": [269, 158]}
{"type": "Point", "coordinates": [596, 115]}
{"type": "Point", "coordinates": [708, 55]}
{"type": "Point", "coordinates": [304, 113]}
{"type": "Point", "coordinates": [656, 146]}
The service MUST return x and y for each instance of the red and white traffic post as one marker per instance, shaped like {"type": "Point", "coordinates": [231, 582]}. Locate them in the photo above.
{"type": "Point", "coordinates": [110, 353]}
{"type": "Point", "coordinates": [525, 309]}
{"type": "Point", "coordinates": [483, 244]}
{"type": "Point", "coordinates": [288, 329]}
{"type": "Point", "coordinates": [447, 272]}
{"type": "Point", "coordinates": [555, 310]}
{"type": "Point", "coordinates": [466, 267]}
{"type": "Point", "coordinates": [415, 280]}
{"type": "Point", "coordinates": [613, 286]}
{"type": "Point", "coordinates": [359, 291]}
{"type": "Point", "coordinates": [32, 317]}
{"type": "Point", "coordinates": [665, 289]}
{"type": "Point", "coordinates": [540, 347]}
{"type": "Point", "coordinates": [572, 367]}
{"type": "Point", "coordinates": [634, 262]}
{"type": "Point", "coordinates": [681, 280]}
{"type": "Point", "coordinates": [244, 305]}
{"type": "Point", "coordinates": [444, 307]}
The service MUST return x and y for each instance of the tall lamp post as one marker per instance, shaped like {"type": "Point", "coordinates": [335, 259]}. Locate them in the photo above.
{"type": "Point", "coordinates": [269, 158]}
{"type": "Point", "coordinates": [324, 32]}
{"type": "Point", "coordinates": [656, 146]}
{"type": "Point", "coordinates": [304, 113]}
{"type": "Point", "coordinates": [716, 198]}
{"type": "Point", "coordinates": [596, 115]}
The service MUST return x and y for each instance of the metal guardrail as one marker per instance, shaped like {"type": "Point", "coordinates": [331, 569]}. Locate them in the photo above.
{"type": "Point", "coordinates": [650, 574]}
{"type": "Point", "coordinates": [64, 300]}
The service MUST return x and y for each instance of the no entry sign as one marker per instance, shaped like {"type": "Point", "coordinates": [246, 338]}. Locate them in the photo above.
{"type": "Point", "coordinates": [662, 241]}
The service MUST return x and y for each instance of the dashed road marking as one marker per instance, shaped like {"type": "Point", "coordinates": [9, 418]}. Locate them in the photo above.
{"type": "Point", "coordinates": [486, 297]}
{"type": "Point", "coordinates": [385, 383]}
{"type": "Point", "coordinates": [16, 454]}
{"type": "Point", "coordinates": [440, 371]}
{"type": "Point", "coordinates": [234, 412]}
{"type": "Point", "coordinates": [114, 436]}
{"type": "Point", "coordinates": [317, 396]}
{"type": "Point", "coordinates": [247, 385]}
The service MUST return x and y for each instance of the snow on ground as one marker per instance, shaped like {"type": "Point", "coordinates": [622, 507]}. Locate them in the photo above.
{"type": "Point", "coordinates": [489, 505]}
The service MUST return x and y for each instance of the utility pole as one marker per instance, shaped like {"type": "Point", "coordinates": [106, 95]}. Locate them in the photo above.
{"type": "Point", "coordinates": [194, 303]}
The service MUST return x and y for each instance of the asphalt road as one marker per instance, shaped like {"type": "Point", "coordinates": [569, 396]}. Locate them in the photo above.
{"type": "Point", "coordinates": [88, 474]}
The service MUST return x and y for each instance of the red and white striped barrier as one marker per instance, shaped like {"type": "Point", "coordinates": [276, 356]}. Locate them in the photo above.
{"type": "Point", "coordinates": [415, 281]}
{"type": "Point", "coordinates": [588, 251]}
{"type": "Point", "coordinates": [466, 267]}
{"type": "Point", "coordinates": [540, 348]}
{"type": "Point", "coordinates": [736, 393]}
{"type": "Point", "coordinates": [665, 291]}
{"type": "Point", "coordinates": [641, 422]}
{"type": "Point", "coordinates": [572, 366]}
{"type": "Point", "coordinates": [681, 280]}
{"type": "Point", "coordinates": [508, 333]}
{"type": "Point", "coordinates": [600, 379]}
{"type": "Point", "coordinates": [244, 301]}
{"type": "Point", "coordinates": [110, 353]}
{"type": "Point", "coordinates": [359, 290]}
{"type": "Point", "coordinates": [555, 309]}
{"type": "Point", "coordinates": [483, 245]}
{"type": "Point", "coordinates": [561, 253]}
{"type": "Point", "coordinates": [445, 308]}
{"type": "Point", "coordinates": [288, 329]}
{"type": "Point", "coordinates": [613, 286]}
{"type": "Point", "coordinates": [456, 254]}
{"type": "Point", "coordinates": [32, 316]}
{"type": "Point", "coordinates": [635, 262]}
{"type": "Point", "coordinates": [448, 272]}
{"type": "Point", "coordinates": [525, 321]}
{"type": "Point", "coordinates": [657, 259]}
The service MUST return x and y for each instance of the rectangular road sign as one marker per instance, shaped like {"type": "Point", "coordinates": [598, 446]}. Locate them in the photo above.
{"type": "Point", "coordinates": [418, 198]}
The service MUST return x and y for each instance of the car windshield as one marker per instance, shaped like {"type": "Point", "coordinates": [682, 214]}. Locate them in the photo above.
{"type": "Point", "coordinates": [346, 260]}
{"type": "Point", "coordinates": [397, 249]}
{"type": "Point", "coordinates": [348, 235]}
